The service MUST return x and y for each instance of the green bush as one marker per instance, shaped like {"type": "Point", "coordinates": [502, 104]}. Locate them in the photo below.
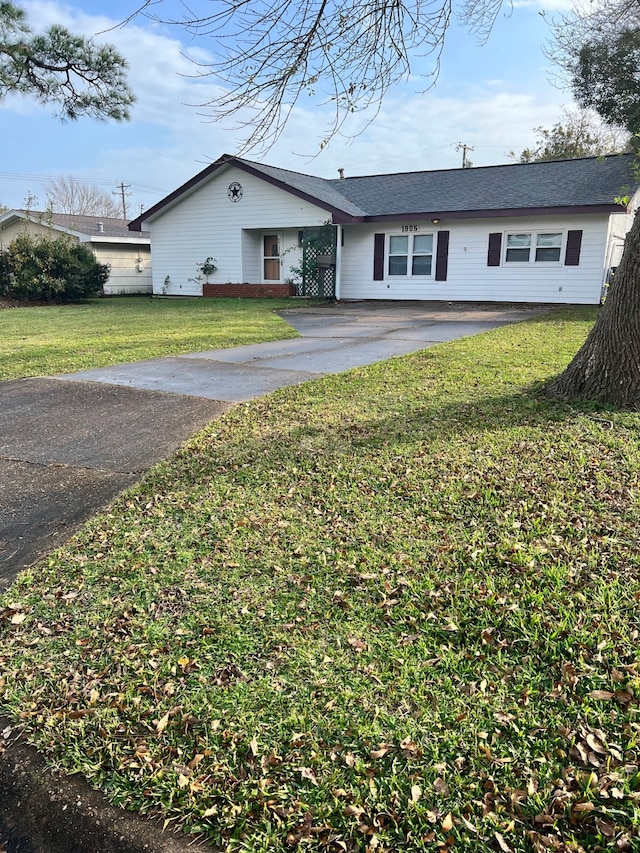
{"type": "Point", "coordinates": [43, 269]}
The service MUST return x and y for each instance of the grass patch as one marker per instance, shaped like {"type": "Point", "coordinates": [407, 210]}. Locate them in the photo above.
{"type": "Point", "coordinates": [39, 341]}
{"type": "Point", "coordinates": [391, 609]}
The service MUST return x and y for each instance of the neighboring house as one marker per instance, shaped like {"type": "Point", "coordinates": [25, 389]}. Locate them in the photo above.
{"type": "Point", "coordinates": [128, 254]}
{"type": "Point", "coordinates": [533, 232]}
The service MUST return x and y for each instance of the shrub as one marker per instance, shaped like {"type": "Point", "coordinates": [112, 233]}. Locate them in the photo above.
{"type": "Point", "coordinates": [43, 269]}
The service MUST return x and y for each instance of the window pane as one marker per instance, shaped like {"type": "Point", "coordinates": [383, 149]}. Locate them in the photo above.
{"type": "Point", "coordinates": [517, 241]}
{"type": "Point", "coordinates": [271, 246]}
{"type": "Point", "coordinates": [397, 265]}
{"type": "Point", "coordinates": [271, 269]}
{"type": "Point", "coordinates": [421, 265]}
{"type": "Point", "coordinates": [554, 240]}
{"type": "Point", "coordinates": [398, 245]}
{"type": "Point", "coordinates": [517, 255]}
{"type": "Point", "coordinates": [548, 247]}
{"type": "Point", "coordinates": [548, 254]}
{"type": "Point", "coordinates": [423, 244]}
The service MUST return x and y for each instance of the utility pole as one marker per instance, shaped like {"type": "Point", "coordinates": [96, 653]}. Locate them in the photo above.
{"type": "Point", "coordinates": [121, 192]}
{"type": "Point", "coordinates": [466, 164]}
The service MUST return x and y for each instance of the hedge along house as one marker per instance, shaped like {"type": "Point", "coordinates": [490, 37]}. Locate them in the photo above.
{"type": "Point", "coordinates": [128, 255]}
{"type": "Point", "coordinates": [535, 232]}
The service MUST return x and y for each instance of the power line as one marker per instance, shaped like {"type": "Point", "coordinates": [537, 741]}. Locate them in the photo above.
{"type": "Point", "coordinates": [24, 176]}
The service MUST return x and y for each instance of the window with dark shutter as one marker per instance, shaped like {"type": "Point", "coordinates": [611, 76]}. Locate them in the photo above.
{"type": "Point", "coordinates": [572, 255]}
{"type": "Point", "coordinates": [495, 249]}
{"type": "Point", "coordinates": [442, 256]}
{"type": "Point", "coordinates": [378, 257]}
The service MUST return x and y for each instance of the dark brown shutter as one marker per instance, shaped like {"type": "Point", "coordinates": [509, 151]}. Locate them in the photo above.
{"type": "Point", "coordinates": [495, 249]}
{"type": "Point", "coordinates": [378, 257]}
{"type": "Point", "coordinates": [572, 255]}
{"type": "Point", "coordinates": [442, 256]}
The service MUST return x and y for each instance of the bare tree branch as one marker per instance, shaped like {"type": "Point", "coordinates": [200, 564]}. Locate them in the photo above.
{"type": "Point", "coordinates": [66, 194]}
{"type": "Point", "coordinates": [271, 54]}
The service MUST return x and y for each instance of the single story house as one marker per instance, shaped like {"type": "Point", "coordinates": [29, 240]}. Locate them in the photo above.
{"type": "Point", "coordinates": [127, 253]}
{"type": "Point", "coordinates": [534, 232]}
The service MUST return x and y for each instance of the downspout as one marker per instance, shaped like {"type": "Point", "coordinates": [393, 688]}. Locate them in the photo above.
{"type": "Point", "coordinates": [338, 260]}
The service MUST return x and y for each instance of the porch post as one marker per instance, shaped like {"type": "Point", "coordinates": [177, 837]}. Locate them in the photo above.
{"type": "Point", "coordinates": [338, 272]}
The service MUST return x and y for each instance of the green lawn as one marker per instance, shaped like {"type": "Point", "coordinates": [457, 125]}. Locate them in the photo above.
{"type": "Point", "coordinates": [37, 341]}
{"type": "Point", "coordinates": [395, 609]}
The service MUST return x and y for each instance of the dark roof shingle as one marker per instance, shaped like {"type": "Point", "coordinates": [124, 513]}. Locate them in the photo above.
{"type": "Point", "coordinates": [86, 224]}
{"type": "Point", "coordinates": [561, 185]}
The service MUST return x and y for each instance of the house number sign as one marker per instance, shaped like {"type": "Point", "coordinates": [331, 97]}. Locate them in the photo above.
{"type": "Point", "coordinates": [235, 191]}
{"type": "Point", "coordinates": [410, 229]}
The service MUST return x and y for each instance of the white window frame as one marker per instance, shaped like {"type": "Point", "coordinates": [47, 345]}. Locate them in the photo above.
{"type": "Point", "coordinates": [534, 234]}
{"type": "Point", "coordinates": [410, 255]}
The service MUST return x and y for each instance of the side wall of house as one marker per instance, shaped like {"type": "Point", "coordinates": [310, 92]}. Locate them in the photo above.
{"type": "Point", "coordinates": [9, 232]}
{"type": "Point", "coordinates": [130, 268]}
{"type": "Point", "coordinates": [468, 273]}
{"type": "Point", "coordinates": [619, 225]}
{"type": "Point", "coordinates": [207, 223]}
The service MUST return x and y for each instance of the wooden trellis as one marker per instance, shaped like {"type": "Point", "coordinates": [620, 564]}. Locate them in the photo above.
{"type": "Point", "coordinates": [319, 262]}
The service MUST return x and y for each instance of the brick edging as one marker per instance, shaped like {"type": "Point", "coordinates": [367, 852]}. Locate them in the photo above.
{"type": "Point", "coordinates": [246, 289]}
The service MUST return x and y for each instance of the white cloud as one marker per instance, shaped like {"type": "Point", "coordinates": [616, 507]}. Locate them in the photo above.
{"type": "Point", "coordinates": [168, 141]}
{"type": "Point", "coordinates": [545, 5]}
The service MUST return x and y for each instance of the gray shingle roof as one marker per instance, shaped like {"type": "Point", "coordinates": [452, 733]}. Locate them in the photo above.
{"type": "Point", "coordinates": [558, 183]}
{"type": "Point", "coordinates": [319, 188]}
{"type": "Point", "coordinates": [86, 224]}
{"type": "Point", "coordinates": [566, 185]}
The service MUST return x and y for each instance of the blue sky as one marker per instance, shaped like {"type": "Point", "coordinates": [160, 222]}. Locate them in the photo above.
{"type": "Point", "coordinates": [490, 97]}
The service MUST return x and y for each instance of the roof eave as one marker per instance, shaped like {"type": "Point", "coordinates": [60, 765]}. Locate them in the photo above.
{"type": "Point", "coordinates": [325, 205]}
{"type": "Point", "coordinates": [497, 213]}
{"type": "Point", "coordinates": [129, 241]}
{"type": "Point", "coordinates": [207, 172]}
{"type": "Point", "coordinates": [11, 216]}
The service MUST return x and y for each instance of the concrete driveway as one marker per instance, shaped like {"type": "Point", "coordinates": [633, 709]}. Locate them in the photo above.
{"type": "Point", "coordinates": [335, 338]}
{"type": "Point", "coordinates": [69, 444]}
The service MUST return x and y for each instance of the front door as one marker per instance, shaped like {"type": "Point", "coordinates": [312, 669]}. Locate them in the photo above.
{"type": "Point", "coordinates": [271, 257]}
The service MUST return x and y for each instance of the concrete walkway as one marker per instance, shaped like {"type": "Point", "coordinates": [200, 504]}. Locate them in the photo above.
{"type": "Point", "coordinates": [69, 444]}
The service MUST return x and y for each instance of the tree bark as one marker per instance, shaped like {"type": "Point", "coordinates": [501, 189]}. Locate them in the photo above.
{"type": "Point", "coordinates": [607, 367]}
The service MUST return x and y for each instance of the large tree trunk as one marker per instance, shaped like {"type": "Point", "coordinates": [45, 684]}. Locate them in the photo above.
{"type": "Point", "coordinates": [607, 367]}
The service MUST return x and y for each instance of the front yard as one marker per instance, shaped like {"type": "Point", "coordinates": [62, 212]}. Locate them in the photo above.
{"type": "Point", "coordinates": [40, 341]}
{"type": "Point", "coordinates": [394, 609]}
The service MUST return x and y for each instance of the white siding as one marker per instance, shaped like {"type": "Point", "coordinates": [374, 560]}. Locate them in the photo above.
{"type": "Point", "coordinates": [130, 268]}
{"type": "Point", "coordinates": [468, 277]}
{"type": "Point", "coordinates": [207, 224]}
{"type": "Point", "coordinates": [251, 256]}
{"type": "Point", "coordinates": [619, 225]}
{"type": "Point", "coordinates": [292, 254]}
{"type": "Point", "coordinates": [10, 231]}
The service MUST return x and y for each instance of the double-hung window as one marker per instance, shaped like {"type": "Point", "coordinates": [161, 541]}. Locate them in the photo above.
{"type": "Point", "coordinates": [410, 255]}
{"type": "Point", "coordinates": [539, 247]}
